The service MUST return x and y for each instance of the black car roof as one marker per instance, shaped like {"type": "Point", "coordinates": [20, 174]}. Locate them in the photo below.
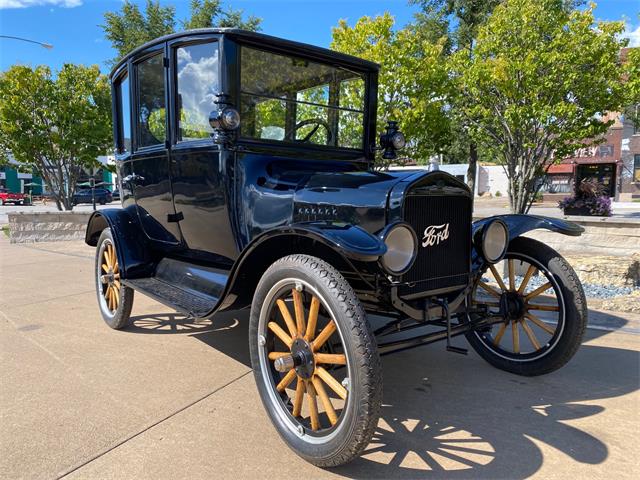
{"type": "Point", "coordinates": [259, 38]}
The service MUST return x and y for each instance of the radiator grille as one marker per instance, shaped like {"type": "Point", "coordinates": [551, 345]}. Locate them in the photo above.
{"type": "Point", "coordinates": [444, 263]}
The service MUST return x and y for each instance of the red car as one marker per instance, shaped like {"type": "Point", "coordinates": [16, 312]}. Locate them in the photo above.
{"type": "Point", "coordinates": [8, 197]}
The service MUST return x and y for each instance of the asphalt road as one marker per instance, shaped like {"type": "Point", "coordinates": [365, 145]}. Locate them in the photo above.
{"type": "Point", "coordinates": [170, 398]}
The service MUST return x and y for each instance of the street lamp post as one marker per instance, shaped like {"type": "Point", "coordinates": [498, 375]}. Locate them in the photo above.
{"type": "Point", "coordinates": [48, 46]}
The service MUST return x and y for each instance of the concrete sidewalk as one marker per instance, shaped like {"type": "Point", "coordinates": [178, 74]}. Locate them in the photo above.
{"type": "Point", "coordinates": [170, 398]}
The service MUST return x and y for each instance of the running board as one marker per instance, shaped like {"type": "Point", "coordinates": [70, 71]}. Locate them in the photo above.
{"type": "Point", "coordinates": [190, 289]}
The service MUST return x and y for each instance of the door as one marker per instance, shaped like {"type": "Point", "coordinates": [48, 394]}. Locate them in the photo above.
{"type": "Point", "coordinates": [200, 169]}
{"type": "Point", "coordinates": [602, 173]}
{"type": "Point", "coordinates": [150, 178]}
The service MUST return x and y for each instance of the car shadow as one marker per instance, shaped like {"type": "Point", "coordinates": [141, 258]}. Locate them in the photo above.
{"type": "Point", "coordinates": [454, 416]}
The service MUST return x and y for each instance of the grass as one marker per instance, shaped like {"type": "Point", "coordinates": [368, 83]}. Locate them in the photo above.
{"type": "Point", "coordinates": [5, 229]}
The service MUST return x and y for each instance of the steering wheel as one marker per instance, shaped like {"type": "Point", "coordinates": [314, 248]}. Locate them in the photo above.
{"type": "Point", "coordinates": [318, 122]}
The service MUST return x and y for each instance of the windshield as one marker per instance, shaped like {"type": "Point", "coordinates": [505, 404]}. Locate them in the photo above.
{"type": "Point", "coordinates": [291, 99]}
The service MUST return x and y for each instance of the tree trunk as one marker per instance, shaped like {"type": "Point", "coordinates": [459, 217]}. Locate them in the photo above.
{"type": "Point", "coordinates": [473, 167]}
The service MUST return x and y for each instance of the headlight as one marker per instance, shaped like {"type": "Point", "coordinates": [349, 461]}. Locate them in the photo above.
{"type": "Point", "coordinates": [402, 246]}
{"type": "Point", "coordinates": [227, 118]}
{"type": "Point", "coordinates": [398, 141]}
{"type": "Point", "coordinates": [492, 240]}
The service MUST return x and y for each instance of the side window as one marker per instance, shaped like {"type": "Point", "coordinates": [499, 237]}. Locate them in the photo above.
{"type": "Point", "coordinates": [124, 115]}
{"type": "Point", "coordinates": [197, 85]}
{"type": "Point", "coordinates": [151, 121]}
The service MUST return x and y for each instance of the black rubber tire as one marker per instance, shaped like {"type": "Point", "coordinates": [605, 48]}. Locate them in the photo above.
{"type": "Point", "coordinates": [120, 318]}
{"type": "Point", "coordinates": [575, 314]}
{"type": "Point", "coordinates": [103, 201]}
{"type": "Point", "coordinates": [365, 387]}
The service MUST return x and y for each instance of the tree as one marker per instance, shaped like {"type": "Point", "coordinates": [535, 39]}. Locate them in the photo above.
{"type": "Point", "coordinates": [540, 81]}
{"type": "Point", "coordinates": [57, 125]}
{"type": "Point", "coordinates": [412, 81]}
{"type": "Point", "coordinates": [460, 21]}
{"type": "Point", "coordinates": [129, 27]}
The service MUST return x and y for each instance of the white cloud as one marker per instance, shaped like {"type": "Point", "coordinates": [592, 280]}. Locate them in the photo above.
{"type": "Point", "coordinates": [632, 35]}
{"type": "Point", "coordinates": [38, 3]}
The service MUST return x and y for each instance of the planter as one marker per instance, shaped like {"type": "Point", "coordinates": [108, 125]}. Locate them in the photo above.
{"type": "Point", "coordinates": [577, 211]}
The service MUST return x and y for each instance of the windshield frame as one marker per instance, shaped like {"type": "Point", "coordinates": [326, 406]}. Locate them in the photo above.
{"type": "Point", "coordinates": [232, 53]}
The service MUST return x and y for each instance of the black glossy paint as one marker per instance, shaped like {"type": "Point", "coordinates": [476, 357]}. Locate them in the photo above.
{"type": "Point", "coordinates": [210, 218]}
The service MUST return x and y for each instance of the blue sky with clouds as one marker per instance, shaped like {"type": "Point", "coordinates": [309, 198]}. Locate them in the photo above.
{"type": "Point", "coordinates": [72, 26]}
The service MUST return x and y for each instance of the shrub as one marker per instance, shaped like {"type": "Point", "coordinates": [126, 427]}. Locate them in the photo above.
{"type": "Point", "coordinates": [498, 194]}
{"type": "Point", "coordinates": [599, 206]}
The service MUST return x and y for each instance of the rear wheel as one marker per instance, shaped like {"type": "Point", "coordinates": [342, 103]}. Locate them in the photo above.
{"type": "Point", "coordinates": [315, 360]}
{"type": "Point", "coordinates": [543, 307]}
{"type": "Point", "coordinates": [114, 299]}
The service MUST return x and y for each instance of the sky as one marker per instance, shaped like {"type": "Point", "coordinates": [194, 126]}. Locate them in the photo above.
{"type": "Point", "coordinates": [72, 26]}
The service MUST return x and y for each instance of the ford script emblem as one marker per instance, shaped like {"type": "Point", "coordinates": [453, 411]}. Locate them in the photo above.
{"type": "Point", "coordinates": [434, 234]}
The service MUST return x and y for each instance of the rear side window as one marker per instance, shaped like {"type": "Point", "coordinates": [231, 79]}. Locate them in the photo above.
{"type": "Point", "coordinates": [124, 115]}
{"type": "Point", "coordinates": [151, 113]}
{"type": "Point", "coordinates": [197, 85]}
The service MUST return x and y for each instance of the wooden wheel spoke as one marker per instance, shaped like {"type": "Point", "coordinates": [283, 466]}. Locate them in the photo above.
{"type": "Point", "coordinates": [312, 321]}
{"type": "Point", "coordinates": [515, 333]}
{"type": "Point", "coordinates": [299, 397]}
{"type": "Point", "coordinates": [324, 335]}
{"type": "Point", "coordinates": [299, 309]}
{"type": "Point", "coordinates": [110, 255]}
{"type": "Point", "coordinates": [105, 267]}
{"type": "Point", "coordinates": [512, 275]}
{"type": "Point", "coordinates": [116, 297]}
{"type": "Point", "coordinates": [500, 334]}
{"type": "Point", "coordinates": [332, 382]}
{"type": "Point", "coordinates": [326, 401]}
{"type": "Point", "coordinates": [277, 355]}
{"type": "Point", "coordinates": [489, 289]}
{"type": "Point", "coordinates": [116, 276]}
{"type": "Point", "coordinates": [331, 358]}
{"type": "Point", "coordinates": [530, 334]}
{"type": "Point", "coordinates": [538, 291]}
{"type": "Point", "coordinates": [546, 308]}
{"type": "Point", "coordinates": [109, 294]}
{"type": "Point", "coordinates": [540, 323]}
{"type": "Point", "coordinates": [498, 278]}
{"type": "Point", "coordinates": [116, 283]}
{"type": "Point", "coordinates": [284, 310]}
{"type": "Point", "coordinates": [286, 380]}
{"type": "Point", "coordinates": [280, 333]}
{"type": "Point", "coordinates": [116, 268]}
{"type": "Point", "coordinates": [488, 304]}
{"type": "Point", "coordinates": [313, 407]}
{"type": "Point", "coordinates": [527, 276]}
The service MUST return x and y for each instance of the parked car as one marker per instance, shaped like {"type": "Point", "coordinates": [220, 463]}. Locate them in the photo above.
{"type": "Point", "coordinates": [102, 195]}
{"type": "Point", "coordinates": [115, 195]}
{"type": "Point", "coordinates": [257, 189]}
{"type": "Point", "coordinates": [15, 198]}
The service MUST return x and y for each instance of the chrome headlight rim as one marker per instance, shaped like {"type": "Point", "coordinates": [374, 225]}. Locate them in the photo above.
{"type": "Point", "coordinates": [384, 235]}
{"type": "Point", "coordinates": [483, 240]}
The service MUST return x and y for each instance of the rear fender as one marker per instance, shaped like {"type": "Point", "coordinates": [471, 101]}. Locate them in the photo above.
{"type": "Point", "coordinates": [130, 241]}
{"type": "Point", "coordinates": [517, 224]}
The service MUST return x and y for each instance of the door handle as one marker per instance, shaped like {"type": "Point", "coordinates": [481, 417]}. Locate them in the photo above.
{"type": "Point", "coordinates": [132, 178]}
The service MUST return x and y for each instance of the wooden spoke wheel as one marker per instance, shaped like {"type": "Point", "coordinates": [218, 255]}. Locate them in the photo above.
{"type": "Point", "coordinates": [541, 303]}
{"type": "Point", "coordinates": [114, 298]}
{"type": "Point", "coordinates": [315, 361]}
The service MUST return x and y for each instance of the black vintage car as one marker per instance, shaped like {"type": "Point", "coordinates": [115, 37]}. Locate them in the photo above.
{"type": "Point", "coordinates": [247, 180]}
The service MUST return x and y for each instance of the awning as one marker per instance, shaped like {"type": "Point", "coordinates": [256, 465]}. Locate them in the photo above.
{"type": "Point", "coordinates": [561, 168]}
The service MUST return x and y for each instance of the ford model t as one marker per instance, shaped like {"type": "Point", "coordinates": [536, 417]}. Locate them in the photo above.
{"type": "Point", "coordinates": [246, 174]}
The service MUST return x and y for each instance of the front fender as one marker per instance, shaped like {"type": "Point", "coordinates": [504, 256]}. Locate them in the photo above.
{"type": "Point", "coordinates": [130, 241]}
{"type": "Point", "coordinates": [351, 241]}
{"type": "Point", "coordinates": [517, 224]}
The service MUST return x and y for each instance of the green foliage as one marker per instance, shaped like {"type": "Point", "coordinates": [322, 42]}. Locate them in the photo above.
{"type": "Point", "coordinates": [539, 82]}
{"type": "Point", "coordinates": [412, 83]}
{"type": "Point", "coordinates": [130, 27]}
{"type": "Point", "coordinates": [55, 125]}
{"type": "Point", "coordinates": [209, 13]}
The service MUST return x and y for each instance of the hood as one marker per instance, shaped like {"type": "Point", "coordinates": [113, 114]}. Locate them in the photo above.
{"type": "Point", "coordinates": [359, 198]}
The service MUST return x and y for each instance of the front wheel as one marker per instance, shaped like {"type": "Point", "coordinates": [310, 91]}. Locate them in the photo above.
{"type": "Point", "coordinates": [542, 305]}
{"type": "Point", "coordinates": [315, 360]}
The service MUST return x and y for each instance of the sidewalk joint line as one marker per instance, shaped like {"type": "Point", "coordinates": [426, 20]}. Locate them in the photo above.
{"type": "Point", "coordinates": [149, 427]}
